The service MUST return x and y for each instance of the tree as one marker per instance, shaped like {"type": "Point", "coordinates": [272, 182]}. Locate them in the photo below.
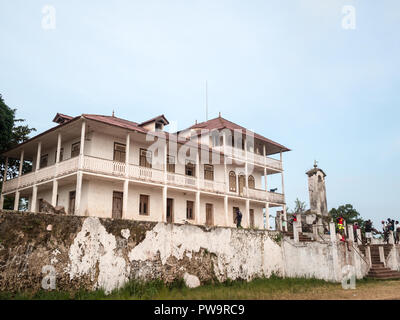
{"type": "Point", "coordinates": [299, 206]}
{"type": "Point", "coordinates": [349, 214]}
{"type": "Point", "coordinates": [12, 133]}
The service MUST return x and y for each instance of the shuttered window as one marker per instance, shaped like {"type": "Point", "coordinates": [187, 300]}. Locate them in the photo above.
{"type": "Point", "coordinates": [252, 182]}
{"type": "Point", "coordinates": [145, 158]}
{"type": "Point", "coordinates": [189, 210]}
{"type": "Point", "coordinates": [208, 172]}
{"type": "Point", "coordinates": [232, 181]}
{"type": "Point", "coordinates": [119, 152]}
{"type": "Point", "coordinates": [75, 149]}
{"type": "Point", "coordinates": [144, 205]}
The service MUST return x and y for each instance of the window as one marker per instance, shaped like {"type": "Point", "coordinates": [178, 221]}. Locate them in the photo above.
{"type": "Point", "coordinates": [43, 160]}
{"type": "Point", "coordinates": [189, 210]}
{"type": "Point", "coordinates": [144, 205]}
{"type": "Point", "coordinates": [232, 181]}
{"type": "Point", "coordinates": [208, 172]}
{"type": "Point", "coordinates": [71, 203]}
{"type": "Point", "coordinates": [159, 126]}
{"type": "Point", "coordinates": [75, 149]}
{"type": "Point", "coordinates": [190, 168]}
{"type": "Point", "coordinates": [171, 164]}
{"type": "Point", "coordinates": [119, 152]}
{"type": "Point", "coordinates": [61, 155]}
{"type": "Point", "coordinates": [145, 158]}
{"type": "Point", "coordinates": [252, 182]}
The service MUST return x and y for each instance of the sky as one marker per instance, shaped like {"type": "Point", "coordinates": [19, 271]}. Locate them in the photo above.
{"type": "Point", "coordinates": [305, 73]}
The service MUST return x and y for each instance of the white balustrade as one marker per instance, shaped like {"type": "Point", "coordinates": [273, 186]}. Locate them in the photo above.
{"type": "Point", "coordinates": [147, 174]}
{"type": "Point", "coordinates": [67, 166]}
{"type": "Point", "coordinates": [103, 166]}
{"type": "Point", "coordinates": [10, 185]}
{"type": "Point", "coordinates": [46, 173]}
{"type": "Point", "coordinates": [212, 186]}
{"type": "Point", "coordinates": [27, 180]}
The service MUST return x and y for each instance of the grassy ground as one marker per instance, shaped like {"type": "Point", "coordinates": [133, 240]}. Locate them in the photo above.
{"type": "Point", "coordinates": [272, 288]}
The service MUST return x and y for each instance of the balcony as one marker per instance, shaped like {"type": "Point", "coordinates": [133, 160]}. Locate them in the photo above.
{"type": "Point", "coordinates": [134, 172]}
{"type": "Point", "coordinates": [240, 155]}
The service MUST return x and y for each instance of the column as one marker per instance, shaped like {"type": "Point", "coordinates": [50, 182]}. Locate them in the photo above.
{"type": "Point", "coordinates": [164, 204]}
{"type": "Point", "coordinates": [350, 233]}
{"type": "Point", "coordinates": [197, 168]}
{"type": "Point", "coordinates": [125, 199]}
{"type": "Point", "coordinates": [359, 238]}
{"type": "Point", "coordinates": [315, 231]}
{"type": "Point", "coordinates": [1, 201]}
{"type": "Point", "coordinates": [267, 216]}
{"type": "Point", "coordinates": [226, 211]}
{"type": "Point", "coordinates": [16, 201]}
{"type": "Point", "coordinates": [21, 163]}
{"type": "Point", "coordinates": [332, 231]}
{"type": "Point", "coordinates": [166, 162]}
{"type": "Point", "coordinates": [82, 146]}
{"type": "Point", "coordinates": [248, 213]}
{"type": "Point", "coordinates": [368, 254]}
{"type": "Point", "coordinates": [285, 217]}
{"type": "Point", "coordinates": [265, 179]}
{"type": "Point", "coordinates": [226, 174]}
{"type": "Point", "coordinates": [78, 193]}
{"type": "Point", "coordinates": [34, 198]}
{"type": "Point", "coordinates": [54, 193]}
{"type": "Point", "coordinates": [58, 147]}
{"type": "Point", "coordinates": [4, 180]}
{"type": "Point", "coordinates": [38, 155]}
{"type": "Point", "coordinates": [197, 212]}
{"type": "Point", "coordinates": [295, 231]}
{"type": "Point", "coordinates": [127, 150]}
{"type": "Point", "coordinates": [300, 224]}
{"type": "Point", "coordinates": [382, 255]}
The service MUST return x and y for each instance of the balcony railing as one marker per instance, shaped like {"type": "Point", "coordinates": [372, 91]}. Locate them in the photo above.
{"type": "Point", "coordinates": [134, 172]}
{"type": "Point", "coordinates": [239, 154]}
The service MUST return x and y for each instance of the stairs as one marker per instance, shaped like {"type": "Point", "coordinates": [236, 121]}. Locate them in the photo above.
{"type": "Point", "coordinates": [302, 237]}
{"type": "Point", "coordinates": [378, 270]}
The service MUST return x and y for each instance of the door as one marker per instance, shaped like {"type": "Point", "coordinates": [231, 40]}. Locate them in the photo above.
{"type": "Point", "coordinates": [117, 205]}
{"type": "Point", "coordinates": [251, 218]}
{"type": "Point", "coordinates": [170, 212]}
{"type": "Point", "coordinates": [71, 203]}
{"type": "Point", "coordinates": [234, 213]}
{"type": "Point", "coordinates": [242, 183]}
{"type": "Point", "coordinates": [209, 214]}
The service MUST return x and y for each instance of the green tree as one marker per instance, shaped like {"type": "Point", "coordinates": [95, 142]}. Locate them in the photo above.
{"type": "Point", "coordinates": [12, 133]}
{"type": "Point", "coordinates": [349, 214]}
{"type": "Point", "coordinates": [299, 207]}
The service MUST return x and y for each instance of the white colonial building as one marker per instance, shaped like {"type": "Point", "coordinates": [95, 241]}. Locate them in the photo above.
{"type": "Point", "coordinates": [104, 166]}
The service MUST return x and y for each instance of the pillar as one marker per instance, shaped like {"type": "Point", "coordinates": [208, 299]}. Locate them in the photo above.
{"type": "Point", "coordinates": [265, 179]}
{"type": "Point", "coordinates": [16, 201]}
{"type": "Point", "coordinates": [359, 238]}
{"type": "Point", "coordinates": [296, 231]}
{"type": "Point", "coordinates": [248, 212]}
{"type": "Point", "coordinates": [332, 231]}
{"type": "Point", "coordinates": [54, 193]}
{"type": "Point", "coordinates": [391, 237]}
{"type": "Point", "coordinates": [226, 211]}
{"type": "Point", "coordinates": [127, 150]}
{"type": "Point", "coordinates": [82, 145]}
{"type": "Point", "coordinates": [368, 254]}
{"type": "Point", "coordinates": [34, 199]}
{"type": "Point", "coordinates": [382, 255]}
{"type": "Point", "coordinates": [285, 217]}
{"type": "Point", "coordinates": [21, 163]}
{"type": "Point", "coordinates": [78, 193]}
{"type": "Point", "coordinates": [197, 212]}
{"type": "Point", "coordinates": [58, 147]}
{"type": "Point", "coordinates": [267, 216]}
{"type": "Point", "coordinates": [350, 233]}
{"type": "Point", "coordinates": [197, 168]}
{"type": "Point", "coordinates": [299, 222]}
{"type": "Point", "coordinates": [315, 231]}
{"type": "Point", "coordinates": [125, 199]}
{"type": "Point", "coordinates": [38, 155]}
{"type": "Point", "coordinates": [283, 180]}
{"type": "Point", "coordinates": [164, 204]}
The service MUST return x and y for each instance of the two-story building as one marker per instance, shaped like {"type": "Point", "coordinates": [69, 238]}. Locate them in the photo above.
{"type": "Point", "coordinates": [104, 166]}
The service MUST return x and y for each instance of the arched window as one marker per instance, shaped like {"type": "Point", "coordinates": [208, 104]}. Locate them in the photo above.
{"type": "Point", "coordinates": [252, 182]}
{"type": "Point", "coordinates": [232, 181]}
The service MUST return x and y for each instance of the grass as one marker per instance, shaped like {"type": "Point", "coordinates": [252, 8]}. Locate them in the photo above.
{"type": "Point", "coordinates": [239, 289]}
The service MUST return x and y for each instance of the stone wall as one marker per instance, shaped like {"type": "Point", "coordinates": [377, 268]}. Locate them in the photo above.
{"type": "Point", "coordinates": [91, 253]}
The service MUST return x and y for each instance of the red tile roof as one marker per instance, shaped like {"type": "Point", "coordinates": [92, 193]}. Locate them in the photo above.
{"type": "Point", "coordinates": [220, 123]}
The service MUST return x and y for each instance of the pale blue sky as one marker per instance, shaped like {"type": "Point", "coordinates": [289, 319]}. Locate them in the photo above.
{"type": "Point", "coordinates": [286, 69]}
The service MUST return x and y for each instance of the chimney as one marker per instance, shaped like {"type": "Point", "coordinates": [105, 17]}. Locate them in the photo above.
{"type": "Point", "coordinates": [220, 114]}
{"type": "Point", "coordinates": [195, 122]}
{"type": "Point", "coordinates": [113, 114]}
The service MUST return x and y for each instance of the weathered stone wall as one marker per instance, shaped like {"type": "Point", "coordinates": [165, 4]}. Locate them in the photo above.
{"type": "Point", "coordinates": [90, 253]}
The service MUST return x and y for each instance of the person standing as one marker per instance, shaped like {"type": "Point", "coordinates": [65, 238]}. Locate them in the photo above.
{"type": "Point", "coordinates": [238, 218]}
{"type": "Point", "coordinates": [368, 231]}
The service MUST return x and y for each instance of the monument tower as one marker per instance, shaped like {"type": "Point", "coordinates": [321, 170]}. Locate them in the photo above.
{"type": "Point", "coordinates": [317, 191]}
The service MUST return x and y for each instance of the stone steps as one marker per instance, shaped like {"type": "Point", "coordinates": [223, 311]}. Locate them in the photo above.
{"type": "Point", "coordinates": [302, 238]}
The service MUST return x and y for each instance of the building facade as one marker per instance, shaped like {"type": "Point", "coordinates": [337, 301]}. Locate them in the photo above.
{"type": "Point", "coordinates": [104, 166]}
